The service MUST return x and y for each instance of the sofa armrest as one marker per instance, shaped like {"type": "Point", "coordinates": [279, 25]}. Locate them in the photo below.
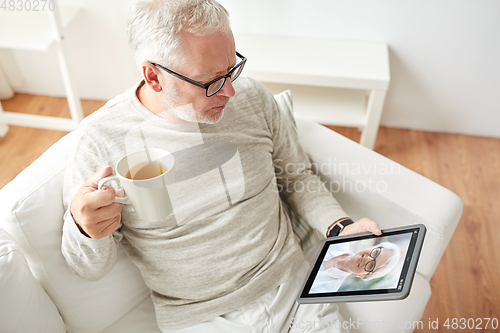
{"type": "Point", "coordinates": [402, 316]}
{"type": "Point", "coordinates": [368, 184]}
{"type": "Point", "coordinates": [24, 305]}
{"type": "Point", "coordinates": [32, 212]}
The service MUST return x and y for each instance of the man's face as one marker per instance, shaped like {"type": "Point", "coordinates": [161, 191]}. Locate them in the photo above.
{"type": "Point", "coordinates": [207, 57]}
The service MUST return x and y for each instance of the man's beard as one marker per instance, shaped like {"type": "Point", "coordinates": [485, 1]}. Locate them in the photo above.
{"type": "Point", "coordinates": [186, 112]}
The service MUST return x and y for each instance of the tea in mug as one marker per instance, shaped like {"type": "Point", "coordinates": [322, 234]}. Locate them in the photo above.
{"type": "Point", "coordinates": [146, 170]}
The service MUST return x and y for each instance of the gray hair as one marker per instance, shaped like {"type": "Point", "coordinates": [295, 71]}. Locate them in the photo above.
{"type": "Point", "coordinates": [391, 262]}
{"type": "Point", "coordinates": [154, 27]}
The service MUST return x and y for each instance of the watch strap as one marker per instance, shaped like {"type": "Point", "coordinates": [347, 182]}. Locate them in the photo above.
{"type": "Point", "coordinates": [339, 227]}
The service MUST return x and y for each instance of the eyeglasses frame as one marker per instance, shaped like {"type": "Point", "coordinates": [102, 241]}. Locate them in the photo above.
{"type": "Point", "coordinates": [374, 260]}
{"type": "Point", "coordinates": [206, 85]}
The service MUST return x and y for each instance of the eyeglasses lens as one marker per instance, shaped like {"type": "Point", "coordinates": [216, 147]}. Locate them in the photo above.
{"type": "Point", "coordinates": [375, 252]}
{"type": "Point", "coordinates": [215, 87]}
{"type": "Point", "coordinates": [370, 266]}
{"type": "Point", "coordinates": [236, 73]}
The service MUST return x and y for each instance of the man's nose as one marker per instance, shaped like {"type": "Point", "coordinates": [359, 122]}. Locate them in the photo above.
{"type": "Point", "coordinates": [227, 89]}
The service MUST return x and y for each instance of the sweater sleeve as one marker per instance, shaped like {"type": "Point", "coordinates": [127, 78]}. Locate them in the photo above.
{"type": "Point", "coordinates": [298, 185]}
{"type": "Point", "coordinates": [89, 258]}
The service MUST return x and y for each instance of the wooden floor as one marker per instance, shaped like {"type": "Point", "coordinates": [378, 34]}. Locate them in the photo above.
{"type": "Point", "coordinates": [466, 283]}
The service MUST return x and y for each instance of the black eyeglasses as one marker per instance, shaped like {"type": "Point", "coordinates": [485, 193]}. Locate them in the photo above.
{"type": "Point", "coordinates": [370, 265]}
{"type": "Point", "coordinates": [212, 87]}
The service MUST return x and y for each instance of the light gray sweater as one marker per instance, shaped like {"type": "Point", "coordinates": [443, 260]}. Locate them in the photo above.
{"type": "Point", "coordinates": [219, 259]}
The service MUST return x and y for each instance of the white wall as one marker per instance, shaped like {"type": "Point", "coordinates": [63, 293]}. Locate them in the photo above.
{"type": "Point", "coordinates": [445, 67]}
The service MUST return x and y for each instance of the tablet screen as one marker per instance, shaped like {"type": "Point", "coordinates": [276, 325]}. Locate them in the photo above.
{"type": "Point", "coordinates": [363, 265]}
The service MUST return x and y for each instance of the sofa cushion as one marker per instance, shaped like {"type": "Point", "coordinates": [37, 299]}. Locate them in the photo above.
{"type": "Point", "coordinates": [24, 305]}
{"type": "Point", "coordinates": [32, 212]}
{"type": "Point", "coordinates": [141, 319]}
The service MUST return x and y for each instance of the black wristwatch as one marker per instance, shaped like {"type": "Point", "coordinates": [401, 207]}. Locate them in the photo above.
{"type": "Point", "coordinates": [339, 227]}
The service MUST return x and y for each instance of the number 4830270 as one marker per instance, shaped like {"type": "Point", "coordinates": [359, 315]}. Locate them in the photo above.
{"type": "Point", "coordinates": [471, 323]}
{"type": "Point", "coordinates": [27, 5]}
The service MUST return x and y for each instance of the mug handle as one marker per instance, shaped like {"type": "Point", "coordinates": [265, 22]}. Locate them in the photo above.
{"type": "Point", "coordinates": [122, 200]}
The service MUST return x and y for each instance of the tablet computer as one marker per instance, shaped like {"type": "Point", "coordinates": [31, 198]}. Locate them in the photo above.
{"type": "Point", "coordinates": [364, 267]}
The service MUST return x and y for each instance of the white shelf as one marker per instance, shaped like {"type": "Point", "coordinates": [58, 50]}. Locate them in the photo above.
{"type": "Point", "coordinates": [329, 106]}
{"type": "Point", "coordinates": [317, 62]}
{"type": "Point", "coordinates": [28, 30]}
{"type": "Point", "coordinates": [38, 121]}
{"type": "Point", "coordinates": [335, 82]}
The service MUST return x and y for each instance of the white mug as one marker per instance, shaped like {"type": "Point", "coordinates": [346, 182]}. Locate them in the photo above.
{"type": "Point", "coordinates": [149, 197]}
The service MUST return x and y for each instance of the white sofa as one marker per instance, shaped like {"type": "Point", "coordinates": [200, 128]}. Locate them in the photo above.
{"type": "Point", "coordinates": [39, 293]}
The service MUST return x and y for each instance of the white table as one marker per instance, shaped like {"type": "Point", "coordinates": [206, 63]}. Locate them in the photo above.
{"type": "Point", "coordinates": [333, 82]}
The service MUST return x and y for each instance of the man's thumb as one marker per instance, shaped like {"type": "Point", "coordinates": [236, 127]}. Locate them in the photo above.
{"type": "Point", "coordinates": [96, 177]}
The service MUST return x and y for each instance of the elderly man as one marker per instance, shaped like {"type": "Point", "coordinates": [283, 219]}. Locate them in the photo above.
{"type": "Point", "coordinates": [229, 270]}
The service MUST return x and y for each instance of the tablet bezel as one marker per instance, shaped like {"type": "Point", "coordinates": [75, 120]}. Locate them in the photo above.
{"type": "Point", "coordinates": [401, 292]}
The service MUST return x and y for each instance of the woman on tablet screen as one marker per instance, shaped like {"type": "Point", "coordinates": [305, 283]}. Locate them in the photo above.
{"type": "Point", "coordinates": [367, 264]}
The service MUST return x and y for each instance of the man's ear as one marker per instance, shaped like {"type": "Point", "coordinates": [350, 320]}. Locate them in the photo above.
{"type": "Point", "coordinates": [151, 76]}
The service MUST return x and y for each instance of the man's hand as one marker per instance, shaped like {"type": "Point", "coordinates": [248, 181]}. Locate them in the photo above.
{"type": "Point", "coordinates": [93, 210]}
{"type": "Point", "coordinates": [363, 225]}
